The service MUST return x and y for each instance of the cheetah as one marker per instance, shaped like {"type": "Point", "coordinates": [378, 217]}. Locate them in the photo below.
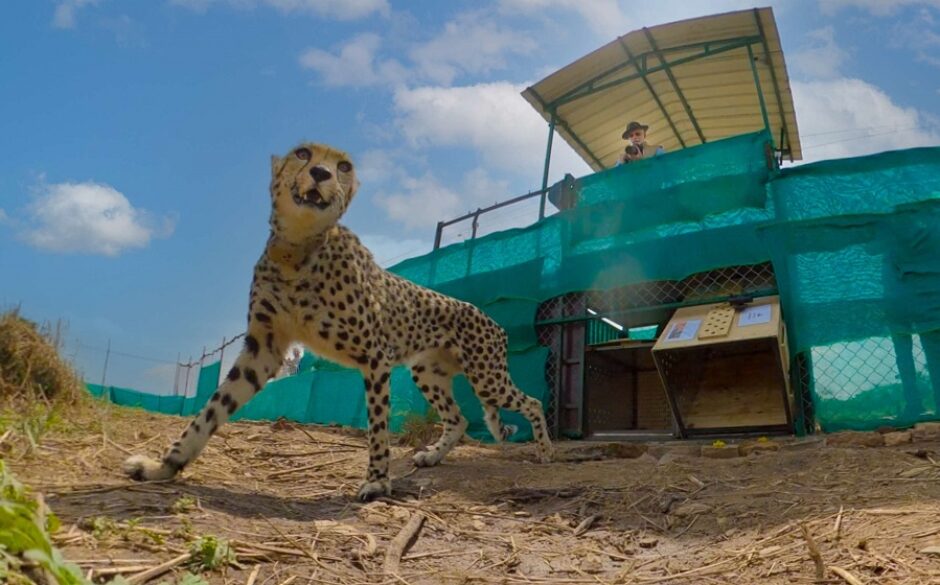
{"type": "Point", "coordinates": [316, 284]}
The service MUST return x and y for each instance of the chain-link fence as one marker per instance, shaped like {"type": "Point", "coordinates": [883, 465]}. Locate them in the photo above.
{"type": "Point", "coordinates": [878, 381]}
{"type": "Point", "coordinates": [110, 366]}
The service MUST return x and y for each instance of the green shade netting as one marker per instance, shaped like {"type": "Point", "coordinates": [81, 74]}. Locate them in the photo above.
{"type": "Point", "coordinates": [853, 245]}
{"type": "Point", "coordinates": [856, 248]}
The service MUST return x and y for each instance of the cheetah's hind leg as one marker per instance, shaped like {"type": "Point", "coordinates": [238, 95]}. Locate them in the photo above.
{"type": "Point", "coordinates": [434, 375]}
{"type": "Point", "coordinates": [503, 393]}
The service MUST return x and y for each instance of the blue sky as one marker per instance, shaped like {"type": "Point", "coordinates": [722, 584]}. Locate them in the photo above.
{"type": "Point", "coordinates": [135, 136]}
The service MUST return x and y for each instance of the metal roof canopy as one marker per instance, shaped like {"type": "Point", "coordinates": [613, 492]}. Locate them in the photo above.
{"type": "Point", "coordinates": [692, 82]}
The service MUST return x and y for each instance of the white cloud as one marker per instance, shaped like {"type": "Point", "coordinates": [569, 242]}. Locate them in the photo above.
{"type": "Point", "coordinates": [611, 18]}
{"type": "Point", "coordinates": [374, 167]}
{"type": "Point", "coordinates": [604, 17]}
{"type": "Point", "coordinates": [89, 218]}
{"type": "Point", "coordinates": [483, 190]}
{"type": "Point", "coordinates": [420, 201]}
{"type": "Point", "coordinates": [65, 10]}
{"type": "Point", "coordinates": [389, 251]}
{"type": "Point", "coordinates": [876, 7]}
{"type": "Point", "coordinates": [127, 31]}
{"type": "Point", "coordinates": [491, 118]}
{"type": "Point", "coordinates": [920, 35]}
{"type": "Point", "coordinates": [822, 57]}
{"type": "Point", "coordinates": [849, 117]}
{"type": "Point", "coordinates": [333, 9]}
{"type": "Point", "coordinates": [468, 44]}
{"type": "Point", "coordinates": [355, 64]}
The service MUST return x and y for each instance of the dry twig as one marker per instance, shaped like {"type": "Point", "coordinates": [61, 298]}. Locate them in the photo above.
{"type": "Point", "coordinates": [253, 576]}
{"type": "Point", "coordinates": [400, 544]}
{"type": "Point", "coordinates": [307, 467]}
{"type": "Point", "coordinates": [586, 524]}
{"type": "Point", "coordinates": [846, 576]}
{"type": "Point", "coordinates": [149, 574]}
{"type": "Point", "coordinates": [814, 553]}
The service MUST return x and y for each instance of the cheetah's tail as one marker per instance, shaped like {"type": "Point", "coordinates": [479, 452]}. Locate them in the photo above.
{"type": "Point", "coordinates": [499, 431]}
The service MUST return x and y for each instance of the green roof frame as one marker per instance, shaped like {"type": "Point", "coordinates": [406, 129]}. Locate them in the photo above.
{"type": "Point", "coordinates": [757, 48]}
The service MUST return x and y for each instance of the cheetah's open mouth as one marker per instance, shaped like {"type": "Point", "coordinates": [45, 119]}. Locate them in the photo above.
{"type": "Point", "coordinates": [311, 198]}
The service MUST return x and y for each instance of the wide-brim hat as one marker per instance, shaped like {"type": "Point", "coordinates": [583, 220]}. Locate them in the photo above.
{"type": "Point", "coordinates": [634, 126]}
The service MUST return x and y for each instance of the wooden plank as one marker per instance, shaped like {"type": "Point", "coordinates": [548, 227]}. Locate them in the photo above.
{"type": "Point", "coordinates": [620, 344]}
{"type": "Point", "coordinates": [736, 391]}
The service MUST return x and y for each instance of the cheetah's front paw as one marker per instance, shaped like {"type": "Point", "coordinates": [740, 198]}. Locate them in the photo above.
{"type": "Point", "coordinates": [141, 468]}
{"type": "Point", "coordinates": [375, 489]}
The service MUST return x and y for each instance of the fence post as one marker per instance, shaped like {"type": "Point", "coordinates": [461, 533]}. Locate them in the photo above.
{"type": "Point", "coordinates": [221, 355]}
{"type": "Point", "coordinates": [176, 376]}
{"type": "Point", "coordinates": [438, 234]}
{"type": "Point", "coordinates": [104, 371]}
{"type": "Point", "coordinates": [475, 224]}
{"type": "Point", "coordinates": [189, 366]}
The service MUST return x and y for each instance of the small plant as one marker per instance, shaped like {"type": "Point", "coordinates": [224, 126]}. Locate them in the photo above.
{"type": "Point", "coordinates": [186, 579]}
{"type": "Point", "coordinates": [101, 527]}
{"type": "Point", "coordinates": [184, 505]}
{"type": "Point", "coordinates": [718, 444]}
{"type": "Point", "coordinates": [185, 529]}
{"type": "Point", "coordinates": [26, 537]}
{"type": "Point", "coordinates": [211, 553]}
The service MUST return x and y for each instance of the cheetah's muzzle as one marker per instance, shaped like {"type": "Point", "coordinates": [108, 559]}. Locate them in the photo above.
{"type": "Point", "coordinates": [312, 198]}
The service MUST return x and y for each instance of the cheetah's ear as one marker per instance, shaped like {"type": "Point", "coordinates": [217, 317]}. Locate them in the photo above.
{"type": "Point", "coordinates": [275, 164]}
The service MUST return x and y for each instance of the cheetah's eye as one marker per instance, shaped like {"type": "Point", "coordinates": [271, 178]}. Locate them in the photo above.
{"type": "Point", "coordinates": [303, 153]}
{"type": "Point", "coordinates": [344, 166]}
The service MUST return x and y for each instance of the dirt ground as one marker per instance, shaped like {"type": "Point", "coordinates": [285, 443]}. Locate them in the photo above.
{"type": "Point", "coordinates": [283, 495]}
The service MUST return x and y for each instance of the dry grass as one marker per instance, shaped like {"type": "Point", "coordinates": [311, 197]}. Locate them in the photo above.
{"type": "Point", "coordinates": [283, 497]}
{"type": "Point", "coordinates": [30, 367]}
{"type": "Point", "coordinates": [274, 504]}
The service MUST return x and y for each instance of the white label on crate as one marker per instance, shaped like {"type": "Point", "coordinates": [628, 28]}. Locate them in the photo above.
{"type": "Point", "coordinates": [683, 330]}
{"type": "Point", "coordinates": [754, 316]}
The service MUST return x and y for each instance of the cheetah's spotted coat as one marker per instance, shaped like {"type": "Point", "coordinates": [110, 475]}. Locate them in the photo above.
{"type": "Point", "coordinates": [317, 284]}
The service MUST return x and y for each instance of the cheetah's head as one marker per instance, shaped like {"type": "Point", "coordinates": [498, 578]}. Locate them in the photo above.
{"type": "Point", "coordinates": [311, 187]}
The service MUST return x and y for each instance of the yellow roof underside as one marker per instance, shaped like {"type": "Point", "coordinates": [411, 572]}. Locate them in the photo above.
{"type": "Point", "coordinates": [718, 88]}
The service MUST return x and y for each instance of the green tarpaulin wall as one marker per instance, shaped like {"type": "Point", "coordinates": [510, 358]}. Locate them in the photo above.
{"type": "Point", "coordinates": [853, 243]}
{"type": "Point", "coordinates": [330, 395]}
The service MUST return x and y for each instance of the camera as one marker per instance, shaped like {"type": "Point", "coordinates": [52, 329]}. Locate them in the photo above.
{"type": "Point", "coordinates": [632, 150]}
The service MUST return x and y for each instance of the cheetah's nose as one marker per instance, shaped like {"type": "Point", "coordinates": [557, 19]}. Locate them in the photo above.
{"type": "Point", "coordinates": [320, 174]}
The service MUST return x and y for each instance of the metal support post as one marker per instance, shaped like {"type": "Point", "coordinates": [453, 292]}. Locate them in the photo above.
{"type": "Point", "coordinates": [438, 234]}
{"type": "Point", "coordinates": [760, 92]}
{"type": "Point", "coordinates": [548, 160]}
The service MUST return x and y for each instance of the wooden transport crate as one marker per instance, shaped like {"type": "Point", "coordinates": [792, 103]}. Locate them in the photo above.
{"type": "Point", "coordinates": [726, 372]}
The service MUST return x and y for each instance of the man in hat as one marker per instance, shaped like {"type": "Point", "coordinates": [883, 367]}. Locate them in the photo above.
{"type": "Point", "coordinates": [637, 148]}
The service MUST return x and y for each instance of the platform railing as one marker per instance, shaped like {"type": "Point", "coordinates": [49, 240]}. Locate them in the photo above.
{"type": "Point", "coordinates": [475, 215]}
